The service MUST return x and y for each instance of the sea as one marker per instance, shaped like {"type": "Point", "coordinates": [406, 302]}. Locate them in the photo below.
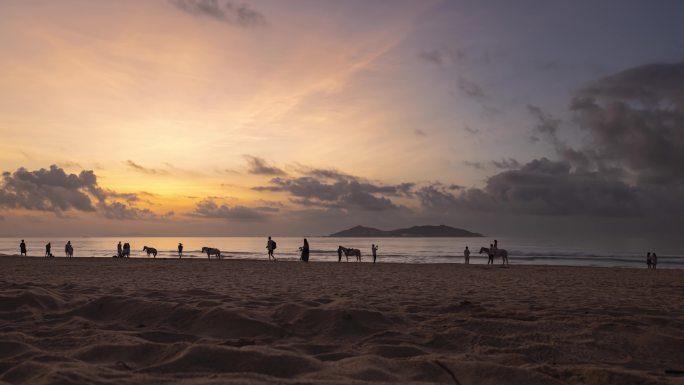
{"type": "Point", "coordinates": [621, 252]}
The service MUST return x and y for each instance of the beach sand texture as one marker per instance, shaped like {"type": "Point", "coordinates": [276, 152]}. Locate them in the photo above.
{"type": "Point", "coordinates": [109, 321]}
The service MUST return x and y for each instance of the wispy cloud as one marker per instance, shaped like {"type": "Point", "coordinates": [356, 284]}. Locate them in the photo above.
{"type": "Point", "coordinates": [223, 11]}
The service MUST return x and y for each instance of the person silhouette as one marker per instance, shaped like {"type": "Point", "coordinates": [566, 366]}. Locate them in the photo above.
{"type": "Point", "coordinates": [127, 250]}
{"type": "Point", "coordinates": [68, 249]}
{"type": "Point", "coordinates": [180, 250]}
{"type": "Point", "coordinates": [305, 251]}
{"type": "Point", "coordinates": [490, 255]}
{"type": "Point", "coordinates": [466, 255]}
{"type": "Point", "coordinates": [47, 250]}
{"type": "Point", "coordinates": [22, 248]}
{"type": "Point", "coordinates": [119, 250]}
{"type": "Point", "coordinates": [374, 249]}
{"type": "Point", "coordinates": [654, 260]}
{"type": "Point", "coordinates": [270, 246]}
{"type": "Point", "coordinates": [648, 260]}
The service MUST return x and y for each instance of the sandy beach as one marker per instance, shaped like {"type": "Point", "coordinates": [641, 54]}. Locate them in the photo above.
{"type": "Point", "coordinates": [108, 321]}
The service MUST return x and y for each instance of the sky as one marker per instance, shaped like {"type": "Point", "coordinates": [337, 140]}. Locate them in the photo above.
{"type": "Point", "coordinates": [305, 117]}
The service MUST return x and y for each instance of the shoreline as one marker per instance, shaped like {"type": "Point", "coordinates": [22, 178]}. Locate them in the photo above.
{"type": "Point", "coordinates": [458, 261]}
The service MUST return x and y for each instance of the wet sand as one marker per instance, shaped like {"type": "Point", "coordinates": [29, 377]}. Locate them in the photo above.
{"type": "Point", "coordinates": [110, 321]}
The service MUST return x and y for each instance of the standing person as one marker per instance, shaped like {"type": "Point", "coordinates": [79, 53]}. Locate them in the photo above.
{"type": "Point", "coordinates": [654, 260]}
{"type": "Point", "coordinates": [22, 248]}
{"type": "Point", "coordinates": [180, 250]}
{"type": "Point", "coordinates": [305, 251]}
{"type": "Point", "coordinates": [648, 259]}
{"type": "Point", "coordinates": [270, 246]}
{"type": "Point", "coordinates": [47, 250]}
{"type": "Point", "coordinates": [127, 250]}
{"type": "Point", "coordinates": [119, 250]}
{"type": "Point", "coordinates": [374, 249]}
{"type": "Point", "coordinates": [490, 254]}
{"type": "Point", "coordinates": [68, 250]}
{"type": "Point", "coordinates": [339, 254]}
{"type": "Point", "coordinates": [466, 254]}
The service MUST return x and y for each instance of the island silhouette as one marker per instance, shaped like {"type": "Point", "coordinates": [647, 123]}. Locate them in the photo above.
{"type": "Point", "coordinates": [415, 232]}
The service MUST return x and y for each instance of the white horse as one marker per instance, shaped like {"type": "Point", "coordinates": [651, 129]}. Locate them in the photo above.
{"type": "Point", "coordinates": [498, 253]}
{"type": "Point", "coordinates": [150, 251]}
{"type": "Point", "coordinates": [212, 251]}
{"type": "Point", "coordinates": [353, 252]}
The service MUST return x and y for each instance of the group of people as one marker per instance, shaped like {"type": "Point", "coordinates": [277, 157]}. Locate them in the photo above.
{"type": "Point", "coordinates": [68, 249]}
{"type": "Point", "coordinates": [304, 251]}
{"type": "Point", "coordinates": [491, 253]}
{"type": "Point", "coordinates": [651, 260]}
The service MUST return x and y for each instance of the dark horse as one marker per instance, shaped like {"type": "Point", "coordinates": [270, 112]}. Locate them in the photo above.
{"type": "Point", "coordinates": [353, 252]}
{"type": "Point", "coordinates": [212, 251]}
{"type": "Point", "coordinates": [150, 251]}
{"type": "Point", "coordinates": [498, 253]}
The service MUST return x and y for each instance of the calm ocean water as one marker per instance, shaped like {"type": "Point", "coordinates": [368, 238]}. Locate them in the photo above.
{"type": "Point", "coordinates": [571, 251]}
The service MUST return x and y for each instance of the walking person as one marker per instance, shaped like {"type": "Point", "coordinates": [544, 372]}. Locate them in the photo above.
{"type": "Point", "coordinates": [648, 260]}
{"type": "Point", "coordinates": [654, 260]}
{"type": "Point", "coordinates": [180, 250]}
{"type": "Point", "coordinates": [374, 249]}
{"type": "Point", "coordinates": [22, 248]}
{"type": "Point", "coordinates": [119, 250]}
{"type": "Point", "coordinates": [490, 254]}
{"type": "Point", "coordinates": [466, 255]}
{"type": "Point", "coordinates": [305, 251]}
{"type": "Point", "coordinates": [47, 250]}
{"type": "Point", "coordinates": [270, 246]}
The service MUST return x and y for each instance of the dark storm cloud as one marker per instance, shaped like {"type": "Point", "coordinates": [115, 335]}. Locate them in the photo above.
{"type": "Point", "coordinates": [333, 189]}
{"type": "Point", "coordinates": [259, 166]}
{"type": "Point", "coordinates": [635, 120]}
{"type": "Point", "coordinates": [630, 165]}
{"type": "Point", "coordinates": [208, 208]}
{"type": "Point", "coordinates": [54, 190]}
{"type": "Point", "coordinates": [222, 11]}
{"type": "Point", "coordinates": [541, 187]}
{"type": "Point", "coordinates": [649, 84]}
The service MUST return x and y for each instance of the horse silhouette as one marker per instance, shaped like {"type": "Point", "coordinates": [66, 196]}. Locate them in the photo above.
{"type": "Point", "coordinates": [150, 251]}
{"type": "Point", "coordinates": [353, 252]}
{"type": "Point", "coordinates": [498, 253]}
{"type": "Point", "coordinates": [212, 251]}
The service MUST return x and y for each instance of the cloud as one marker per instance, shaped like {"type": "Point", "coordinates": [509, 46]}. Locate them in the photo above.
{"type": "Point", "coordinates": [259, 166]}
{"type": "Point", "coordinates": [223, 11]}
{"type": "Point", "coordinates": [470, 130]}
{"type": "Point", "coordinates": [419, 132]}
{"type": "Point", "coordinates": [470, 89]}
{"type": "Point", "coordinates": [145, 170]}
{"type": "Point", "coordinates": [509, 163]}
{"type": "Point", "coordinates": [475, 165]}
{"type": "Point", "coordinates": [48, 190]}
{"type": "Point", "coordinates": [631, 163]}
{"type": "Point", "coordinates": [208, 208]}
{"type": "Point", "coordinates": [56, 191]}
{"type": "Point", "coordinates": [333, 189]}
